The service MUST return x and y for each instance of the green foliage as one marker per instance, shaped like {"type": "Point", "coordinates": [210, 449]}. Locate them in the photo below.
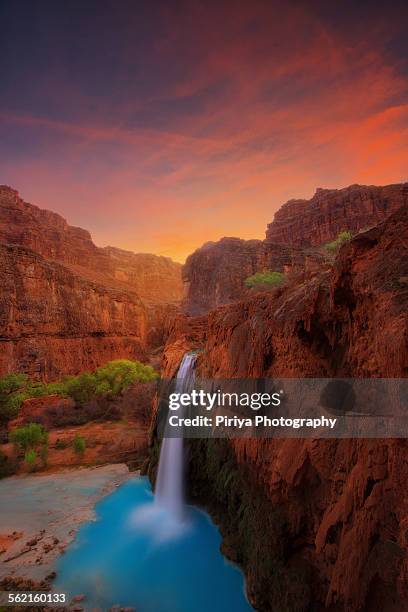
{"type": "Point", "coordinates": [30, 458]}
{"type": "Point", "coordinates": [16, 388]}
{"type": "Point", "coordinates": [29, 436]}
{"type": "Point", "coordinates": [341, 239]}
{"type": "Point", "coordinates": [265, 280]}
{"type": "Point", "coordinates": [119, 374]}
{"type": "Point", "coordinates": [108, 380]}
{"type": "Point", "coordinates": [11, 395]}
{"type": "Point", "coordinates": [81, 388]}
{"type": "Point", "coordinates": [11, 383]}
{"type": "Point", "coordinates": [54, 388]}
{"type": "Point", "coordinates": [79, 445]}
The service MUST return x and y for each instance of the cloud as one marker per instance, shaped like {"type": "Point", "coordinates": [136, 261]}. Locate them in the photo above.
{"type": "Point", "coordinates": [246, 105]}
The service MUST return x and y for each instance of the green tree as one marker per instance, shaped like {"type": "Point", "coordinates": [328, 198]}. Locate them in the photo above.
{"type": "Point", "coordinates": [81, 388]}
{"type": "Point", "coordinates": [265, 280]}
{"type": "Point", "coordinates": [110, 379]}
{"type": "Point", "coordinates": [118, 375]}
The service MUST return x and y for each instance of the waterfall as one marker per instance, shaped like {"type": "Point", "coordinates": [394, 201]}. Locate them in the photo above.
{"type": "Point", "coordinates": [169, 486]}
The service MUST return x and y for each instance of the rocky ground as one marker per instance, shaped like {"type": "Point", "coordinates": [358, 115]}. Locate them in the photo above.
{"type": "Point", "coordinates": [107, 442]}
{"type": "Point", "coordinates": [40, 515]}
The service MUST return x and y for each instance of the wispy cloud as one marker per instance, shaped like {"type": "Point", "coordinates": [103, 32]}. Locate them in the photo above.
{"type": "Point", "coordinates": [259, 104]}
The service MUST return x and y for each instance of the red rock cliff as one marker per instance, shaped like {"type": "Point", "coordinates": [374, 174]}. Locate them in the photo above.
{"type": "Point", "coordinates": [154, 278]}
{"type": "Point", "coordinates": [336, 536]}
{"type": "Point", "coordinates": [330, 211]}
{"type": "Point", "coordinates": [54, 322]}
{"type": "Point", "coordinates": [214, 274]}
{"type": "Point", "coordinates": [67, 305]}
{"type": "Point", "coordinates": [348, 320]}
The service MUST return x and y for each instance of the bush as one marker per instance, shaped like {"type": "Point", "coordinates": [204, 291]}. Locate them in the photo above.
{"type": "Point", "coordinates": [29, 436]}
{"type": "Point", "coordinates": [264, 280]}
{"type": "Point", "coordinates": [341, 239]}
{"type": "Point", "coordinates": [11, 395]}
{"type": "Point", "coordinates": [116, 376]}
{"type": "Point", "coordinates": [81, 388]}
{"type": "Point", "coordinates": [79, 445]}
{"type": "Point", "coordinates": [107, 381]}
{"type": "Point", "coordinates": [16, 388]}
{"type": "Point", "coordinates": [30, 458]}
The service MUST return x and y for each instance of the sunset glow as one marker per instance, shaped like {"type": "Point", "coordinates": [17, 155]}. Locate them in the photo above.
{"type": "Point", "coordinates": [159, 128]}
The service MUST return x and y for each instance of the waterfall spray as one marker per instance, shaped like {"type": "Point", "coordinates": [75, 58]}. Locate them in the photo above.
{"type": "Point", "coordinates": [169, 486]}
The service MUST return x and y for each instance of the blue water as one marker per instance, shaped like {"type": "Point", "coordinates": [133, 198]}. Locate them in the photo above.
{"type": "Point", "coordinates": [133, 555]}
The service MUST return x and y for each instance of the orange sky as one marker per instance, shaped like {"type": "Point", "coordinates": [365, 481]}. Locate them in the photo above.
{"type": "Point", "coordinates": [161, 128]}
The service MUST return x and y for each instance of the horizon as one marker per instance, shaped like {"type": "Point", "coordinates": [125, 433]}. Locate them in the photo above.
{"type": "Point", "coordinates": [182, 262]}
{"type": "Point", "coordinates": [159, 128]}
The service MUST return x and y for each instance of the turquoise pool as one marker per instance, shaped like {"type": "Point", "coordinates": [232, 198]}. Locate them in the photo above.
{"type": "Point", "coordinates": [134, 556]}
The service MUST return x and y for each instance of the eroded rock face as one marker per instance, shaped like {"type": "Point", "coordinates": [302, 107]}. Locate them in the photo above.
{"type": "Point", "coordinates": [316, 524]}
{"type": "Point", "coordinates": [350, 320]}
{"type": "Point", "coordinates": [330, 211]}
{"type": "Point", "coordinates": [67, 305]}
{"type": "Point", "coordinates": [329, 516]}
{"type": "Point", "coordinates": [54, 322]}
{"type": "Point", "coordinates": [214, 274]}
{"type": "Point", "coordinates": [153, 278]}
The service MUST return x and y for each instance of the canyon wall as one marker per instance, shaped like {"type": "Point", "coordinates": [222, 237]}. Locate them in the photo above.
{"type": "Point", "coordinates": [349, 320]}
{"type": "Point", "coordinates": [54, 322]}
{"type": "Point", "coordinates": [67, 305]}
{"type": "Point", "coordinates": [214, 274]}
{"type": "Point", "coordinates": [330, 211]}
{"type": "Point", "coordinates": [316, 524]}
{"type": "Point", "coordinates": [152, 277]}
